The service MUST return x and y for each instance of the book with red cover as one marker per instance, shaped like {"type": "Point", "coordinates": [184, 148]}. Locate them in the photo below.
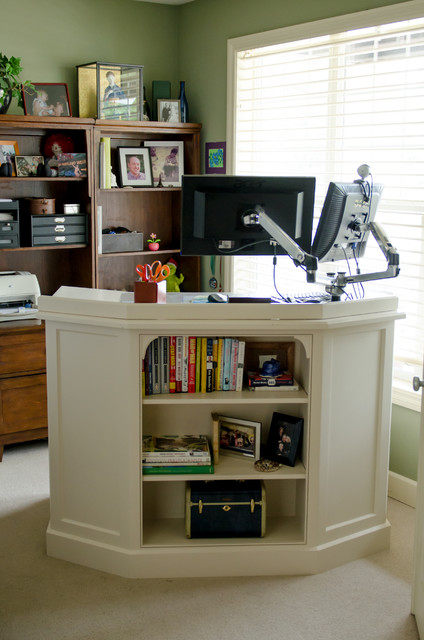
{"type": "Point", "coordinates": [192, 364]}
{"type": "Point", "coordinates": [172, 363]}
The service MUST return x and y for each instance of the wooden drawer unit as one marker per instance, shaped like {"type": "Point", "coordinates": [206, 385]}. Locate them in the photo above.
{"type": "Point", "coordinates": [23, 394]}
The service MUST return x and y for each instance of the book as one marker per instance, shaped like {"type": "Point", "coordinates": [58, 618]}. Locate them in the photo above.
{"type": "Point", "coordinates": [184, 366]}
{"type": "Point", "coordinates": [257, 380]}
{"type": "Point", "coordinates": [198, 362]}
{"type": "Point", "coordinates": [155, 367]}
{"type": "Point", "coordinates": [209, 365]}
{"type": "Point", "coordinates": [233, 363]}
{"type": "Point", "coordinates": [240, 365]}
{"type": "Point", "coordinates": [175, 446]}
{"type": "Point", "coordinates": [178, 364]}
{"type": "Point", "coordinates": [148, 371]}
{"type": "Point", "coordinates": [218, 375]}
{"type": "Point", "coordinates": [192, 364]}
{"type": "Point", "coordinates": [203, 360]}
{"type": "Point", "coordinates": [164, 363]}
{"type": "Point", "coordinates": [215, 438]}
{"type": "Point", "coordinates": [154, 470]}
{"type": "Point", "coordinates": [226, 364]}
{"type": "Point", "coordinates": [172, 354]}
{"type": "Point", "coordinates": [215, 363]}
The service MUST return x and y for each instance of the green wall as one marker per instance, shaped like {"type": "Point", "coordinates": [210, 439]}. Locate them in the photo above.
{"type": "Point", "coordinates": [187, 42]}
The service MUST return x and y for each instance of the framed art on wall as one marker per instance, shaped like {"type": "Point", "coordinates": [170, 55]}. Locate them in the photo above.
{"type": "Point", "coordinates": [215, 157]}
{"type": "Point", "coordinates": [47, 99]}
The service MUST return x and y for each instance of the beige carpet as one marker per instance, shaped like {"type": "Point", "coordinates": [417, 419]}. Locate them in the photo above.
{"type": "Point", "coordinates": [43, 598]}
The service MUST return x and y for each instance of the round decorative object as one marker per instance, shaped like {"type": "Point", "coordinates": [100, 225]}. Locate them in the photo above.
{"type": "Point", "coordinates": [266, 465]}
{"type": "Point", "coordinates": [154, 246]}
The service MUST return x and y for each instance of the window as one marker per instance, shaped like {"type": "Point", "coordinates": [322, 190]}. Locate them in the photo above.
{"type": "Point", "coordinates": [349, 93]}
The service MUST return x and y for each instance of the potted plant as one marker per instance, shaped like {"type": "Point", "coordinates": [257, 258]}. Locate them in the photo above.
{"type": "Point", "coordinates": [153, 242]}
{"type": "Point", "coordinates": [10, 84]}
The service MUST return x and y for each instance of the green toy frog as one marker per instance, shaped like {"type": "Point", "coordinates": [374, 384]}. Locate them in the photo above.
{"type": "Point", "coordinates": [173, 281]}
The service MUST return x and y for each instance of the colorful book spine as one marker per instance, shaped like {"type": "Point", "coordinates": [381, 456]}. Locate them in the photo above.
{"type": "Point", "coordinates": [240, 365]}
{"type": "Point", "coordinates": [203, 366]}
{"type": "Point", "coordinates": [148, 369]}
{"type": "Point", "coordinates": [233, 363]}
{"type": "Point", "coordinates": [209, 365]}
{"type": "Point", "coordinates": [184, 372]}
{"type": "Point", "coordinates": [172, 354]}
{"type": "Point", "coordinates": [226, 361]}
{"type": "Point", "coordinates": [179, 364]}
{"type": "Point", "coordinates": [156, 366]}
{"type": "Point", "coordinates": [164, 363]}
{"type": "Point", "coordinates": [198, 362]}
{"type": "Point", "coordinates": [154, 470]}
{"type": "Point", "coordinates": [215, 363]}
{"type": "Point", "coordinates": [192, 364]}
{"type": "Point", "coordinates": [219, 366]}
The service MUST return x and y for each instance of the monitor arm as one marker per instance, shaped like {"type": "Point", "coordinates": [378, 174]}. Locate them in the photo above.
{"type": "Point", "coordinates": [338, 282]}
{"type": "Point", "coordinates": [278, 236]}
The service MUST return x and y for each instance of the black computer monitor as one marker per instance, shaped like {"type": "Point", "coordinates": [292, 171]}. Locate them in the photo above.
{"type": "Point", "coordinates": [213, 208]}
{"type": "Point", "coordinates": [345, 203]}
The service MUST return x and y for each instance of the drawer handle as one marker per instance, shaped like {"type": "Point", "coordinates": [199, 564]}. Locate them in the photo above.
{"type": "Point", "coordinates": [226, 507]}
{"type": "Point", "coordinates": [60, 239]}
{"type": "Point", "coordinates": [60, 227]}
{"type": "Point", "coordinates": [59, 219]}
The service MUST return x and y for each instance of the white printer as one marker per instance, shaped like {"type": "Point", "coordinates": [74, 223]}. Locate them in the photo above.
{"type": "Point", "coordinates": [19, 292]}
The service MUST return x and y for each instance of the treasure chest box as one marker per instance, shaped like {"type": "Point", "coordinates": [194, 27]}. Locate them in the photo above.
{"type": "Point", "coordinates": [225, 508]}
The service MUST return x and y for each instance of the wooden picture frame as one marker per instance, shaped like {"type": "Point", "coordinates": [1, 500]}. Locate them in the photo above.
{"type": "Point", "coordinates": [169, 110]}
{"type": "Point", "coordinates": [47, 99]}
{"type": "Point", "coordinates": [9, 149]}
{"type": "Point", "coordinates": [239, 437]}
{"type": "Point", "coordinates": [135, 168]}
{"type": "Point", "coordinates": [167, 160]}
{"type": "Point", "coordinates": [284, 438]}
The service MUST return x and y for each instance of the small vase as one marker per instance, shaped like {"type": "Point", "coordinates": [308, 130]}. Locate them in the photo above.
{"type": "Point", "coordinates": [5, 101]}
{"type": "Point", "coordinates": [154, 246]}
{"type": "Point", "coordinates": [183, 103]}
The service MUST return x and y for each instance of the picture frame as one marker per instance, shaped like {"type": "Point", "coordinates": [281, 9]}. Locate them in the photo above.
{"type": "Point", "coordinates": [167, 161]}
{"type": "Point", "coordinates": [9, 149]}
{"type": "Point", "coordinates": [26, 166]}
{"type": "Point", "coordinates": [284, 438]}
{"type": "Point", "coordinates": [239, 437]}
{"type": "Point", "coordinates": [72, 165]}
{"type": "Point", "coordinates": [47, 99]}
{"type": "Point", "coordinates": [216, 157]}
{"type": "Point", "coordinates": [135, 168]}
{"type": "Point", "coordinates": [169, 110]}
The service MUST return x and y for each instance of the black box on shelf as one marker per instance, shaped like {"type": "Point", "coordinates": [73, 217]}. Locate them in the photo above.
{"type": "Point", "coordinates": [225, 509]}
{"type": "Point", "coordinates": [54, 229]}
{"type": "Point", "coordinates": [9, 224]}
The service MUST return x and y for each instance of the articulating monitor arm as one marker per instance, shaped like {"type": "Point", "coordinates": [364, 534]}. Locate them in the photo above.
{"type": "Point", "coordinates": [296, 253]}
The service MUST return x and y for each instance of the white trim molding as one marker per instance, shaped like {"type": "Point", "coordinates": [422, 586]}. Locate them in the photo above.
{"type": "Point", "coordinates": [402, 489]}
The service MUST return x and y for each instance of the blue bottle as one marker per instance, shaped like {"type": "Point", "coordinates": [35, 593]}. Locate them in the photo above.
{"type": "Point", "coordinates": [183, 103]}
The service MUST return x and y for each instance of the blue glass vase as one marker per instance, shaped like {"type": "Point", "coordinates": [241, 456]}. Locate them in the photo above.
{"type": "Point", "coordinates": [183, 103]}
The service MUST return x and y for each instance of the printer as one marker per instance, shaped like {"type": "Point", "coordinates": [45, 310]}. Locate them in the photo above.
{"type": "Point", "coordinates": [19, 292]}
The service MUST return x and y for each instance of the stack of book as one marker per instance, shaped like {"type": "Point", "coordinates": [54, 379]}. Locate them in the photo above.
{"type": "Point", "coordinates": [191, 364]}
{"type": "Point", "coordinates": [176, 454]}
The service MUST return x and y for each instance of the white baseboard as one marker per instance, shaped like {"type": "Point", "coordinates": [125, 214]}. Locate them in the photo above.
{"type": "Point", "coordinates": [402, 489]}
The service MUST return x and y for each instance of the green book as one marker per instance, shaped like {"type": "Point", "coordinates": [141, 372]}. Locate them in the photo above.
{"type": "Point", "coordinates": [152, 470]}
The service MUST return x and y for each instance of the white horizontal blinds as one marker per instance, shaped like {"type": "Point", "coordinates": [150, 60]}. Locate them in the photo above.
{"type": "Point", "coordinates": [323, 106]}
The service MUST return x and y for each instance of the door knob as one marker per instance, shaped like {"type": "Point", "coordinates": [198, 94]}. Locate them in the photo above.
{"type": "Point", "coordinates": [417, 383]}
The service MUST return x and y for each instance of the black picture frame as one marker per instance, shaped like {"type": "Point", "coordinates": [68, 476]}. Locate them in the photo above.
{"type": "Point", "coordinates": [284, 438]}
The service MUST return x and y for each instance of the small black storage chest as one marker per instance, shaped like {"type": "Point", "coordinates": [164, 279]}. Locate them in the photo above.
{"type": "Point", "coordinates": [9, 224]}
{"type": "Point", "coordinates": [225, 508]}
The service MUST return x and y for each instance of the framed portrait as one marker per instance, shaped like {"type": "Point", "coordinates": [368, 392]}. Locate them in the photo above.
{"type": "Point", "coordinates": [8, 151]}
{"type": "Point", "coordinates": [27, 165]}
{"type": "Point", "coordinates": [215, 157]}
{"type": "Point", "coordinates": [284, 439]}
{"type": "Point", "coordinates": [47, 99]}
{"type": "Point", "coordinates": [169, 111]}
{"type": "Point", "coordinates": [239, 437]}
{"type": "Point", "coordinates": [134, 167]}
{"type": "Point", "coordinates": [167, 160]}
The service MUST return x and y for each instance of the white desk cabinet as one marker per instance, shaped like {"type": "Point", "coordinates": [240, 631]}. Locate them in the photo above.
{"type": "Point", "coordinates": [327, 510]}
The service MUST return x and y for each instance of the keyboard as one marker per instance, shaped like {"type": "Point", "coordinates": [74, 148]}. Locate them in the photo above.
{"type": "Point", "coordinates": [307, 296]}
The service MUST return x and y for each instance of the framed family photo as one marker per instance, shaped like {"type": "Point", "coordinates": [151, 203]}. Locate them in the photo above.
{"type": "Point", "coordinates": [27, 165]}
{"type": "Point", "coordinates": [47, 99]}
{"type": "Point", "coordinates": [239, 437]}
{"type": "Point", "coordinates": [9, 149]}
{"type": "Point", "coordinates": [167, 160]}
{"type": "Point", "coordinates": [169, 111]}
{"type": "Point", "coordinates": [284, 439]}
{"type": "Point", "coordinates": [134, 167]}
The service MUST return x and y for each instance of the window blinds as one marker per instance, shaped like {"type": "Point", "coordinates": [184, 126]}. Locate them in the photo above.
{"type": "Point", "coordinates": [322, 106]}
